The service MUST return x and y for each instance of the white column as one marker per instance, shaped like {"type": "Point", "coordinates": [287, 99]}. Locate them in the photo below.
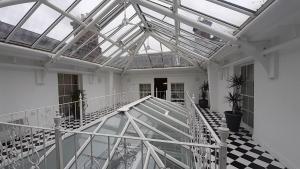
{"type": "Point", "coordinates": [111, 86]}
{"type": "Point", "coordinates": [213, 79]}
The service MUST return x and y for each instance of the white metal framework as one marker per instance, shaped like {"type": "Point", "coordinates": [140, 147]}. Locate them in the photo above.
{"type": "Point", "coordinates": [113, 33]}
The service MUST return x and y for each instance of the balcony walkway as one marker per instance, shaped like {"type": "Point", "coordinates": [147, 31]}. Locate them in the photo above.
{"type": "Point", "coordinates": [243, 151]}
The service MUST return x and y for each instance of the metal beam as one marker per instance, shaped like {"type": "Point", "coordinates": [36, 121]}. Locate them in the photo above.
{"type": "Point", "coordinates": [185, 20]}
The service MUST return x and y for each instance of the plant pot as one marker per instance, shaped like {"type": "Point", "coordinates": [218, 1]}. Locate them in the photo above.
{"type": "Point", "coordinates": [203, 103]}
{"type": "Point", "coordinates": [233, 120]}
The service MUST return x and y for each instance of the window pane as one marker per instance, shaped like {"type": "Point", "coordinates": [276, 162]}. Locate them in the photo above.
{"type": "Point", "coordinates": [216, 11]}
{"type": "Point", "coordinates": [110, 51]}
{"type": "Point", "coordinates": [152, 13]}
{"type": "Point", "coordinates": [11, 16]}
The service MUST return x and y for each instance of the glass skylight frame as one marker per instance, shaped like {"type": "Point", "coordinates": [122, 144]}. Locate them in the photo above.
{"type": "Point", "coordinates": [43, 41]}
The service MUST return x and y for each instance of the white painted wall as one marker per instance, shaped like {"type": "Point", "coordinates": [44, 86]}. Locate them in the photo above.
{"type": "Point", "coordinates": [276, 106]}
{"type": "Point", "coordinates": [20, 91]}
{"type": "Point", "coordinates": [192, 80]}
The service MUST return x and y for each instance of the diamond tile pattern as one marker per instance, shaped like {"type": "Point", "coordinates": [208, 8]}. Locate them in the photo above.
{"type": "Point", "coordinates": [243, 151]}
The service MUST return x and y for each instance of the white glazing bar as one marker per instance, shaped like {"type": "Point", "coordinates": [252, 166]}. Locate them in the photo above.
{"type": "Point", "coordinates": [86, 29]}
{"type": "Point", "coordinates": [4, 3]}
{"type": "Point", "coordinates": [168, 107]}
{"type": "Point", "coordinates": [157, 131]}
{"type": "Point", "coordinates": [55, 23]}
{"type": "Point", "coordinates": [185, 20]}
{"type": "Point", "coordinates": [112, 151]}
{"type": "Point", "coordinates": [169, 157]}
{"type": "Point", "coordinates": [167, 116]}
{"type": "Point", "coordinates": [23, 20]}
{"type": "Point", "coordinates": [179, 131]}
{"type": "Point", "coordinates": [191, 53]}
{"type": "Point", "coordinates": [146, 160]}
{"type": "Point", "coordinates": [235, 8]}
{"type": "Point", "coordinates": [148, 145]}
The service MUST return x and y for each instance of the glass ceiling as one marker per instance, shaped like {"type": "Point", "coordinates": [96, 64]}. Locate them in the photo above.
{"type": "Point", "coordinates": [151, 118]}
{"type": "Point", "coordinates": [107, 32]}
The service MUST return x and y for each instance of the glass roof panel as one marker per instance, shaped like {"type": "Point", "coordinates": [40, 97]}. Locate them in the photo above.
{"type": "Point", "coordinates": [152, 13]}
{"type": "Point", "coordinates": [105, 45]}
{"type": "Point", "coordinates": [151, 45]}
{"type": "Point", "coordinates": [158, 125]}
{"type": "Point", "coordinates": [85, 7]}
{"type": "Point", "coordinates": [217, 11]}
{"type": "Point", "coordinates": [35, 25]}
{"type": "Point", "coordinates": [62, 29]}
{"type": "Point", "coordinates": [125, 29]}
{"type": "Point", "coordinates": [152, 163]}
{"type": "Point", "coordinates": [118, 21]}
{"type": "Point", "coordinates": [167, 5]}
{"type": "Point", "coordinates": [249, 4]}
{"type": "Point", "coordinates": [10, 18]}
{"type": "Point", "coordinates": [110, 51]}
{"type": "Point", "coordinates": [63, 5]}
{"type": "Point", "coordinates": [213, 25]}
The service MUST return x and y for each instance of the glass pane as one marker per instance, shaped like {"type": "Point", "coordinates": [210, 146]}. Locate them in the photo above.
{"type": "Point", "coordinates": [110, 51]}
{"type": "Point", "coordinates": [158, 125]}
{"type": "Point", "coordinates": [11, 16]}
{"type": "Point", "coordinates": [216, 11]}
{"type": "Point", "coordinates": [63, 5]}
{"type": "Point", "coordinates": [124, 29]}
{"type": "Point", "coordinates": [117, 22]}
{"type": "Point", "coordinates": [152, 164]}
{"type": "Point", "coordinates": [85, 7]}
{"type": "Point", "coordinates": [57, 34]}
{"type": "Point", "coordinates": [152, 13]}
{"type": "Point", "coordinates": [250, 4]}
{"type": "Point", "coordinates": [148, 133]}
{"type": "Point", "coordinates": [36, 25]}
{"type": "Point", "coordinates": [105, 45]}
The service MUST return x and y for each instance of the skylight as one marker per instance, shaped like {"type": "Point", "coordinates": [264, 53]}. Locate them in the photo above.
{"type": "Point", "coordinates": [64, 28]}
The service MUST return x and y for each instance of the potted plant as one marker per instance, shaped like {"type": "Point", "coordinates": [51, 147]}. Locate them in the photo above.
{"type": "Point", "coordinates": [233, 117]}
{"type": "Point", "coordinates": [203, 102]}
{"type": "Point", "coordinates": [76, 98]}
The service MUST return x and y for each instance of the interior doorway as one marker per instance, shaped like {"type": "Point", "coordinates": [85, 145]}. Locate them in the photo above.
{"type": "Point", "coordinates": [160, 87]}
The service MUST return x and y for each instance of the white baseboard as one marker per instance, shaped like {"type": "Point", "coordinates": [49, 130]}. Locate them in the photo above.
{"type": "Point", "coordinates": [281, 158]}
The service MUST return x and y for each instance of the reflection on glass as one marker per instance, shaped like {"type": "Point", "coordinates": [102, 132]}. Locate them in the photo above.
{"type": "Point", "coordinates": [9, 18]}
{"type": "Point", "coordinates": [35, 25]}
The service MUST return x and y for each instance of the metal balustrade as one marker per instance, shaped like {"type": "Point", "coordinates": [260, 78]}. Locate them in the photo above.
{"type": "Point", "coordinates": [128, 146]}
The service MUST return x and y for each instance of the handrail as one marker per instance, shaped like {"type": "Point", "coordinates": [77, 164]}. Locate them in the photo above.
{"type": "Point", "coordinates": [213, 133]}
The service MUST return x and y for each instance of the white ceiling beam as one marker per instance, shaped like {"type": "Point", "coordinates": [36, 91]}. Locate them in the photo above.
{"type": "Point", "coordinates": [5, 3]}
{"type": "Point", "coordinates": [138, 11]}
{"type": "Point", "coordinates": [185, 20]}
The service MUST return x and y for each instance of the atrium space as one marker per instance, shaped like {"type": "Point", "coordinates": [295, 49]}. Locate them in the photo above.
{"type": "Point", "coordinates": [149, 84]}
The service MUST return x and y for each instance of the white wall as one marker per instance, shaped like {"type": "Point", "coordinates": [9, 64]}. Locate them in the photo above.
{"type": "Point", "coordinates": [192, 79]}
{"type": "Point", "coordinates": [20, 90]}
{"type": "Point", "coordinates": [276, 106]}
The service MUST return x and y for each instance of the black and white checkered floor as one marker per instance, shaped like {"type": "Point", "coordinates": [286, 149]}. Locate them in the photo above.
{"type": "Point", "coordinates": [243, 151]}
